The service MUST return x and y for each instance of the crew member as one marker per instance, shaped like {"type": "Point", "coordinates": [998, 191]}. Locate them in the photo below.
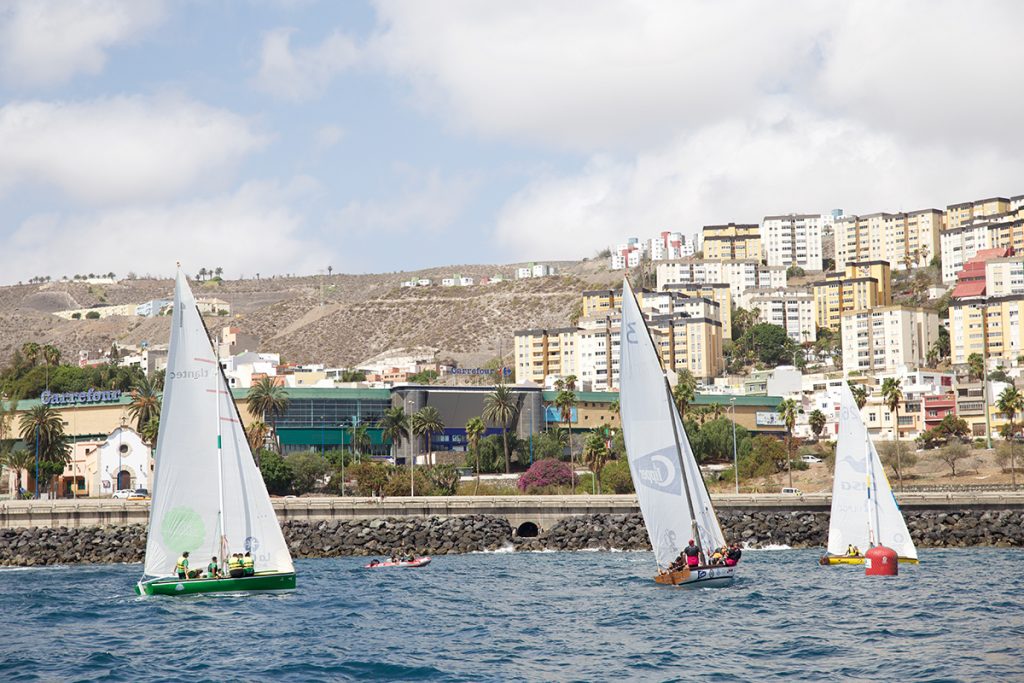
{"type": "Point", "coordinates": [235, 569]}
{"type": "Point", "coordinates": [851, 551]}
{"type": "Point", "coordinates": [732, 557]}
{"type": "Point", "coordinates": [212, 570]}
{"type": "Point", "coordinates": [182, 566]}
{"type": "Point", "coordinates": [692, 553]}
{"type": "Point", "coordinates": [248, 569]}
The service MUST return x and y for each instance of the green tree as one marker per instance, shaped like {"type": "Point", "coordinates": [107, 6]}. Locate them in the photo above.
{"type": "Point", "coordinates": [361, 441]}
{"type": "Point", "coordinates": [615, 477]}
{"type": "Point", "coordinates": [256, 434]}
{"type": "Point", "coordinates": [684, 392]}
{"type": "Point", "coordinates": [444, 479]}
{"type": "Point", "coordinates": [424, 377]}
{"type": "Point", "coordinates": [426, 422]}
{"type": "Point", "coordinates": [475, 429]}
{"type": "Point", "coordinates": [952, 453]}
{"type": "Point", "coordinates": [50, 355]}
{"type": "Point", "coordinates": [309, 470]}
{"type": "Point", "coordinates": [277, 474]}
{"type": "Point", "coordinates": [767, 343]}
{"type": "Point", "coordinates": [31, 351]}
{"type": "Point", "coordinates": [788, 410]}
{"type": "Point", "coordinates": [394, 426]}
{"type": "Point", "coordinates": [712, 442]}
{"type": "Point", "coordinates": [860, 394]}
{"type": "Point", "coordinates": [501, 409]}
{"type": "Point", "coordinates": [17, 460]}
{"type": "Point", "coordinates": [892, 394]}
{"type": "Point", "coordinates": [595, 455]}
{"type": "Point", "coordinates": [565, 401]}
{"type": "Point", "coordinates": [370, 477]}
{"type": "Point", "coordinates": [266, 399]}
{"type": "Point", "coordinates": [817, 421]}
{"type": "Point", "coordinates": [975, 366]}
{"type": "Point", "coordinates": [43, 425]}
{"type": "Point", "coordinates": [145, 404]}
{"type": "Point", "coordinates": [892, 456]}
{"type": "Point", "coordinates": [1010, 403]}
{"type": "Point", "coordinates": [767, 456]}
{"type": "Point", "coordinates": [550, 445]}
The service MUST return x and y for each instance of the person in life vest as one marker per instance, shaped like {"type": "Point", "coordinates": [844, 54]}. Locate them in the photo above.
{"type": "Point", "coordinates": [718, 556]}
{"type": "Point", "coordinates": [235, 570]}
{"type": "Point", "coordinates": [248, 567]}
{"type": "Point", "coordinates": [732, 557]}
{"type": "Point", "coordinates": [182, 566]}
{"type": "Point", "coordinates": [212, 569]}
{"type": "Point", "coordinates": [693, 554]}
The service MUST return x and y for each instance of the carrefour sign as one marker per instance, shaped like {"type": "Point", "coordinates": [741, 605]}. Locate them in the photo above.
{"type": "Point", "coordinates": [76, 397]}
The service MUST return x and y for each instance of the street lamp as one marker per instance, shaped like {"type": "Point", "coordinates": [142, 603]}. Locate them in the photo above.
{"type": "Point", "coordinates": [735, 460]}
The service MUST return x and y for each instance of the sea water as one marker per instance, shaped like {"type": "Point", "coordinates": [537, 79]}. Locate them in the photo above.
{"type": "Point", "coordinates": [591, 616]}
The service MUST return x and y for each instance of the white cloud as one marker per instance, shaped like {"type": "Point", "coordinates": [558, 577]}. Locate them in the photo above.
{"type": "Point", "coordinates": [329, 136]}
{"type": "Point", "coordinates": [254, 229]}
{"type": "Point", "coordinates": [122, 148]}
{"type": "Point", "coordinates": [425, 202]}
{"type": "Point", "coordinates": [47, 42]}
{"type": "Point", "coordinates": [741, 170]}
{"type": "Point", "coordinates": [302, 73]}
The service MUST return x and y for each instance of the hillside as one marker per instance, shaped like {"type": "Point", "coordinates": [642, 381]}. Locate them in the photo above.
{"type": "Point", "coordinates": [338, 319]}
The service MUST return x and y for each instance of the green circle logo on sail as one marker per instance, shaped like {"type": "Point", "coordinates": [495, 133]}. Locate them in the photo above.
{"type": "Point", "coordinates": [182, 529]}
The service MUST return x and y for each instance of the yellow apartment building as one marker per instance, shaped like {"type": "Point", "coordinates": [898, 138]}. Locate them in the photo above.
{"type": "Point", "coordinates": [960, 244]}
{"type": "Point", "coordinates": [965, 212]}
{"type": "Point", "coordinates": [905, 240]}
{"type": "Point", "coordinates": [720, 292]}
{"type": "Point", "coordinates": [540, 353]}
{"type": "Point", "coordinates": [858, 287]}
{"type": "Point", "coordinates": [992, 326]}
{"type": "Point", "coordinates": [732, 241]}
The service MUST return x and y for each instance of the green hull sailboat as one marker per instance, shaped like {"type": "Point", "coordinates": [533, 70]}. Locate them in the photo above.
{"type": "Point", "coordinates": [209, 499]}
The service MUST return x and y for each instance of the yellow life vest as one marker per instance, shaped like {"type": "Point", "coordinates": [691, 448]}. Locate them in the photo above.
{"type": "Point", "coordinates": [182, 566]}
{"type": "Point", "coordinates": [235, 563]}
{"type": "Point", "coordinates": [247, 562]}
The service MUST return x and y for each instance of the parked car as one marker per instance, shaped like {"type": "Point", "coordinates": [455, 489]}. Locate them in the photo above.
{"type": "Point", "coordinates": [123, 493]}
{"type": "Point", "coordinates": [810, 458]}
{"type": "Point", "coordinates": [793, 492]}
{"type": "Point", "coordinates": [139, 494]}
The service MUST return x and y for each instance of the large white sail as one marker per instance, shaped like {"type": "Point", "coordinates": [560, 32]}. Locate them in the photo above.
{"type": "Point", "coordinates": [863, 505]}
{"type": "Point", "coordinates": [651, 426]}
{"type": "Point", "coordinates": [192, 485]}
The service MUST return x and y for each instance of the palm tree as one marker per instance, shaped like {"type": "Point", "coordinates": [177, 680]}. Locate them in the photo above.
{"type": "Point", "coordinates": [570, 382]}
{"type": "Point", "coordinates": [817, 421]}
{"type": "Point", "coordinates": [1011, 402]}
{"type": "Point", "coordinates": [43, 425]}
{"type": "Point", "coordinates": [51, 355]}
{"type": "Point", "coordinates": [595, 455]}
{"type": "Point", "coordinates": [976, 366]}
{"type": "Point", "coordinates": [361, 441]}
{"type": "Point", "coordinates": [425, 422]}
{"type": "Point", "coordinates": [565, 401]}
{"type": "Point", "coordinates": [266, 398]}
{"type": "Point", "coordinates": [30, 350]}
{"type": "Point", "coordinates": [145, 405]}
{"type": "Point", "coordinates": [475, 429]}
{"type": "Point", "coordinates": [394, 426]}
{"type": "Point", "coordinates": [330, 269]}
{"type": "Point", "coordinates": [256, 435]}
{"type": "Point", "coordinates": [18, 461]}
{"type": "Point", "coordinates": [500, 408]}
{"type": "Point", "coordinates": [787, 410]}
{"type": "Point", "coordinates": [860, 394]}
{"type": "Point", "coordinates": [684, 392]}
{"type": "Point", "coordinates": [201, 274]}
{"type": "Point", "coordinates": [150, 431]}
{"type": "Point", "coordinates": [892, 394]}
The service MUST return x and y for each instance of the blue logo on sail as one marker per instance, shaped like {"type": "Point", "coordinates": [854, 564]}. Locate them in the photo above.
{"type": "Point", "coordinates": [660, 471]}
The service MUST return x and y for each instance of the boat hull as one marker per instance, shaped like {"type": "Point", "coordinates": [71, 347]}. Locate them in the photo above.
{"type": "Point", "coordinates": [418, 562]}
{"type": "Point", "coordinates": [266, 581]}
{"type": "Point", "coordinates": [701, 577]}
{"type": "Point", "coordinates": [832, 560]}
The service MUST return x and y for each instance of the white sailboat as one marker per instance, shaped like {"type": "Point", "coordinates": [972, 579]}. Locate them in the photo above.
{"type": "Point", "coordinates": [864, 510]}
{"type": "Point", "coordinates": [673, 499]}
{"type": "Point", "coordinates": [209, 497]}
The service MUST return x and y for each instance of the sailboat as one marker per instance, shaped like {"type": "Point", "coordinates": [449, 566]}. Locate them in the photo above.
{"type": "Point", "coordinates": [209, 498]}
{"type": "Point", "coordinates": [865, 513]}
{"type": "Point", "coordinates": [673, 498]}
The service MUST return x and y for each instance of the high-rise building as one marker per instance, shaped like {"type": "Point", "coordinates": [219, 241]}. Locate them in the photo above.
{"type": "Point", "coordinates": [720, 292]}
{"type": "Point", "coordinates": [987, 307]}
{"type": "Point", "coordinates": [739, 275]}
{"type": "Point", "coordinates": [732, 241]}
{"type": "Point", "coordinates": [542, 353]}
{"type": "Point", "coordinates": [858, 287]}
{"type": "Point", "coordinates": [791, 308]}
{"type": "Point", "coordinates": [885, 338]}
{"type": "Point", "coordinates": [961, 243]}
{"type": "Point", "coordinates": [905, 240]}
{"type": "Point", "coordinates": [794, 240]}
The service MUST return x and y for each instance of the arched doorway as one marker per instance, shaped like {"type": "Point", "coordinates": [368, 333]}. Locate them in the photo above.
{"type": "Point", "coordinates": [124, 480]}
{"type": "Point", "coordinates": [527, 530]}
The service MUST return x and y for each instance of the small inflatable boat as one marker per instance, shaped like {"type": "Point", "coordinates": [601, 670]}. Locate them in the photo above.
{"type": "Point", "coordinates": [417, 562]}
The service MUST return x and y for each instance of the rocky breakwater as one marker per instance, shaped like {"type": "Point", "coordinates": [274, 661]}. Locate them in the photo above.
{"type": "Point", "coordinates": [33, 546]}
{"type": "Point", "coordinates": [424, 536]}
{"type": "Point", "coordinates": [928, 528]}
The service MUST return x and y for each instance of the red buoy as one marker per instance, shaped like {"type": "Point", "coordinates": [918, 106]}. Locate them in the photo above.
{"type": "Point", "coordinates": [881, 561]}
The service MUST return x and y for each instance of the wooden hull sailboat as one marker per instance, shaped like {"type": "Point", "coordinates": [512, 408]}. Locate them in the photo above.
{"type": "Point", "coordinates": [209, 499]}
{"type": "Point", "coordinates": [673, 498]}
{"type": "Point", "coordinates": [864, 510]}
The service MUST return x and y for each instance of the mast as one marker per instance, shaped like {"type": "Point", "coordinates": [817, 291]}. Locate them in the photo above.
{"type": "Point", "coordinates": [873, 530]}
{"type": "Point", "coordinates": [220, 456]}
{"type": "Point", "coordinates": [682, 467]}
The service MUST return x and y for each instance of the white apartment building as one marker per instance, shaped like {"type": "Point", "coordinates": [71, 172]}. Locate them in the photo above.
{"type": "Point", "coordinates": [791, 308]}
{"type": "Point", "coordinates": [903, 239]}
{"type": "Point", "coordinates": [794, 240]}
{"type": "Point", "coordinates": [1004, 276]}
{"type": "Point", "coordinates": [669, 245]}
{"type": "Point", "coordinates": [535, 270]}
{"type": "Point", "coordinates": [740, 275]}
{"type": "Point", "coordinates": [239, 369]}
{"type": "Point", "coordinates": [886, 338]}
{"type": "Point", "coordinates": [960, 244]}
{"type": "Point", "coordinates": [626, 255]}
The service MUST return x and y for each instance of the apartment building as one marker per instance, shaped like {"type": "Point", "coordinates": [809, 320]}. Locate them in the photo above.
{"type": "Point", "coordinates": [987, 306]}
{"type": "Point", "coordinates": [719, 292]}
{"type": "Point", "coordinates": [885, 338]}
{"type": "Point", "coordinates": [860, 286]}
{"type": "Point", "coordinates": [626, 255]}
{"type": "Point", "coordinates": [960, 244]}
{"type": "Point", "coordinates": [732, 241]}
{"type": "Point", "coordinates": [966, 212]}
{"type": "Point", "coordinates": [794, 240]}
{"type": "Point", "coordinates": [791, 308]}
{"type": "Point", "coordinates": [1005, 276]}
{"type": "Point", "coordinates": [739, 275]}
{"type": "Point", "coordinates": [541, 353]}
{"type": "Point", "coordinates": [669, 245]}
{"type": "Point", "coordinates": [905, 240]}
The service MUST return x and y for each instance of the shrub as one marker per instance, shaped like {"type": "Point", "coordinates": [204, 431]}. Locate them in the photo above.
{"type": "Point", "coordinates": [444, 479]}
{"type": "Point", "coordinates": [615, 477]}
{"type": "Point", "coordinates": [309, 470]}
{"type": "Point", "coordinates": [370, 477]}
{"type": "Point", "coordinates": [547, 472]}
{"type": "Point", "coordinates": [277, 475]}
{"type": "Point", "coordinates": [93, 315]}
{"type": "Point", "coordinates": [398, 483]}
{"type": "Point", "coordinates": [76, 316]}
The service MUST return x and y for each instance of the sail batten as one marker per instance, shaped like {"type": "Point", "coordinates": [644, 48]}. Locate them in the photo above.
{"type": "Point", "coordinates": [668, 481]}
{"type": "Point", "coordinates": [864, 509]}
{"type": "Point", "coordinates": [202, 503]}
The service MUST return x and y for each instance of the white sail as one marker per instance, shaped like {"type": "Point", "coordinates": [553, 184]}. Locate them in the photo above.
{"type": "Point", "coordinates": [648, 417]}
{"type": "Point", "coordinates": [863, 505]}
{"type": "Point", "coordinates": [190, 479]}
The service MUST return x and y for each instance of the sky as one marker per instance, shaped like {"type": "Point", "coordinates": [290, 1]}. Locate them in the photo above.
{"type": "Point", "coordinates": [286, 136]}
